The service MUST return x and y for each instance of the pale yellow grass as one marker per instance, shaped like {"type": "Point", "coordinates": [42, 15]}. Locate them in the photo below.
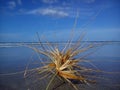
{"type": "Point", "coordinates": [64, 63]}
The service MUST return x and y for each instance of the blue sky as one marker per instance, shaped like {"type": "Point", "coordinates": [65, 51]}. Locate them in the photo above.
{"type": "Point", "coordinates": [54, 19]}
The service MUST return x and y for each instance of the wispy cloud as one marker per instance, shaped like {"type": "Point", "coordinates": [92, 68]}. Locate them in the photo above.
{"type": "Point", "coordinates": [19, 2]}
{"type": "Point", "coordinates": [89, 1]}
{"type": "Point", "coordinates": [63, 9]}
{"type": "Point", "coordinates": [49, 1]}
{"type": "Point", "coordinates": [61, 12]}
{"type": "Point", "coordinates": [11, 5]}
{"type": "Point", "coordinates": [48, 12]}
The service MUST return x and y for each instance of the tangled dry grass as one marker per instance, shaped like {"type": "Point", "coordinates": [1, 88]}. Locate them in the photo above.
{"type": "Point", "coordinates": [64, 63]}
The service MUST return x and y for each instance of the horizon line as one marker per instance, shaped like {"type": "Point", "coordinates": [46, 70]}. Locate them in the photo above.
{"type": "Point", "coordinates": [53, 41]}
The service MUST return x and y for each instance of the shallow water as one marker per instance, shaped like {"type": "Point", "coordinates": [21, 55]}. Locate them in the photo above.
{"type": "Point", "coordinates": [14, 58]}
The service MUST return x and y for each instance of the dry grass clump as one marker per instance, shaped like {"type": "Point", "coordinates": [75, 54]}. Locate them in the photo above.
{"type": "Point", "coordinates": [65, 62]}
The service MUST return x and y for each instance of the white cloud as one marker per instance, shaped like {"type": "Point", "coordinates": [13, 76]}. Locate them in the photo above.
{"type": "Point", "coordinates": [49, 12]}
{"type": "Point", "coordinates": [49, 1]}
{"type": "Point", "coordinates": [11, 5]}
{"type": "Point", "coordinates": [62, 12]}
{"type": "Point", "coordinates": [19, 2]}
{"type": "Point", "coordinates": [89, 1]}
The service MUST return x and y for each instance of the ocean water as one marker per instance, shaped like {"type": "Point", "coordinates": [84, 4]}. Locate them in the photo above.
{"type": "Point", "coordinates": [14, 57]}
